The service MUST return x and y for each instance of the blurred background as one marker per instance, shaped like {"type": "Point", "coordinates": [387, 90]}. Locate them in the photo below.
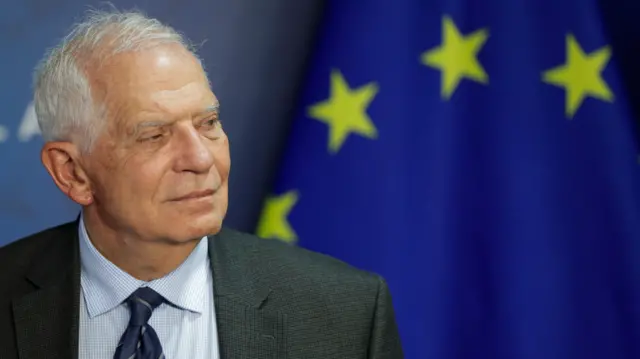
{"type": "Point", "coordinates": [482, 156]}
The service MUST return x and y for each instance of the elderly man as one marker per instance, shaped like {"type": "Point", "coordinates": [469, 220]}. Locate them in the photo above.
{"type": "Point", "coordinates": [133, 135]}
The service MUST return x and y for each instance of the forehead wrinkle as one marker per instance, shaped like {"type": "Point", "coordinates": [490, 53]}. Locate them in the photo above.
{"type": "Point", "coordinates": [186, 94]}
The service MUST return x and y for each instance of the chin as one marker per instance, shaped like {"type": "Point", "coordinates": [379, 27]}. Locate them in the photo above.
{"type": "Point", "coordinates": [190, 227]}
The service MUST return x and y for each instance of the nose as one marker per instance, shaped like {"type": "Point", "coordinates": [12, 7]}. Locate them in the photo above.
{"type": "Point", "coordinates": [194, 154]}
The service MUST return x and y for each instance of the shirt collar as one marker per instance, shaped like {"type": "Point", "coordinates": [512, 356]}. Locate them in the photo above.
{"type": "Point", "coordinates": [105, 286]}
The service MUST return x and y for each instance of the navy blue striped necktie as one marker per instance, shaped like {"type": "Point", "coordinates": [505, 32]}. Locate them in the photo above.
{"type": "Point", "coordinates": [139, 340]}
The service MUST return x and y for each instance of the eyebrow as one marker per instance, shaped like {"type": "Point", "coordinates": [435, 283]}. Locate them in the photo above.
{"type": "Point", "coordinates": [212, 108]}
{"type": "Point", "coordinates": [146, 124]}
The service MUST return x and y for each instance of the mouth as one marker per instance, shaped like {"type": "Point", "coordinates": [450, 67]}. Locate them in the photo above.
{"type": "Point", "coordinates": [195, 195]}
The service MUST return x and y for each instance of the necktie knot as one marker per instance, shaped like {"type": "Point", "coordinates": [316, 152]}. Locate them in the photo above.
{"type": "Point", "coordinates": [141, 304]}
{"type": "Point", "coordinates": [140, 340]}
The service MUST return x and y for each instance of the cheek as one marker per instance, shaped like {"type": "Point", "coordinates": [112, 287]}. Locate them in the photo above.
{"type": "Point", "coordinates": [143, 177]}
{"type": "Point", "coordinates": [222, 158]}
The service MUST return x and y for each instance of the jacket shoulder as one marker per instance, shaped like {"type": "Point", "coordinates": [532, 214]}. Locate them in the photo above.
{"type": "Point", "coordinates": [20, 254]}
{"type": "Point", "coordinates": [293, 263]}
{"type": "Point", "coordinates": [325, 300]}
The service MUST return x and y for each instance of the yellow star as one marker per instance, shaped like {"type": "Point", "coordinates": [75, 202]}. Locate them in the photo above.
{"type": "Point", "coordinates": [457, 57]}
{"type": "Point", "coordinates": [273, 222]}
{"type": "Point", "coordinates": [581, 76]}
{"type": "Point", "coordinates": [345, 111]}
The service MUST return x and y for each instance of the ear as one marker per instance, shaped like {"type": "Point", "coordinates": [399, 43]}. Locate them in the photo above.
{"type": "Point", "coordinates": [61, 159]}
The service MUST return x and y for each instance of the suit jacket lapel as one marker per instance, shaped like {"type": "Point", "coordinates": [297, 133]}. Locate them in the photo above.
{"type": "Point", "coordinates": [247, 327]}
{"type": "Point", "coordinates": [46, 319]}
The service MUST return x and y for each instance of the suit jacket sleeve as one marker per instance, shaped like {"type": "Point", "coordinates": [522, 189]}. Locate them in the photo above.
{"type": "Point", "coordinates": [385, 339]}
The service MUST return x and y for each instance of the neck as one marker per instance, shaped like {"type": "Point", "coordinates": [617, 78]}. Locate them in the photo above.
{"type": "Point", "coordinates": [142, 258]}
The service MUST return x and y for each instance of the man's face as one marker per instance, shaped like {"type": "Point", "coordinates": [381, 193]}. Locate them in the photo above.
{"type": "Point", "coordinates": [160, 169]}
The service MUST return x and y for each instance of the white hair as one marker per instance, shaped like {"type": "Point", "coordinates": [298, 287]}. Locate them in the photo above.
{"type": "Point", "coordinates": [63, 99]}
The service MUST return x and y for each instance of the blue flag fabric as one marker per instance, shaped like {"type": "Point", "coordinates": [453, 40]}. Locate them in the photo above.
{"type": "Point", "coordinates": [481, 156]}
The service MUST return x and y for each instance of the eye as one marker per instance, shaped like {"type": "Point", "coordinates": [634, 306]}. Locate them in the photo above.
{"type": "Point", "coordinates": [152, 138]}
{"type": "Point", "coordinates": [210, 123]}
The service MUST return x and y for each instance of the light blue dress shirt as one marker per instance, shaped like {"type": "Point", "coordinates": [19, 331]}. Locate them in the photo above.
{"type": "Point", "coordinates": [186, 325]}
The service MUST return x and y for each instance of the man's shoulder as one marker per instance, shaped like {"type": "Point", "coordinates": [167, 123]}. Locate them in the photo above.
{"type": "Point", "coordinates": [294, 264]}
{"type": "Point", "coordinates": [19, 258]}
{"type": "Point", "coordinates": [21, 251]}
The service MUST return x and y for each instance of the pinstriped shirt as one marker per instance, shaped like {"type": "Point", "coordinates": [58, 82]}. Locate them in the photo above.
{"type": "Point", "coordinates": [186, 325]}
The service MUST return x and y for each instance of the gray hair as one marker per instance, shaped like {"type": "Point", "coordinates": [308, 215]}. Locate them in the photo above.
{"type": "Point", "coordinates": [63, 99]}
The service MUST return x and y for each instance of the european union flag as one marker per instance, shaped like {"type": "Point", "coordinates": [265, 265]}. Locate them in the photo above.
{"type": "Point", "coordinates": [481, 156]}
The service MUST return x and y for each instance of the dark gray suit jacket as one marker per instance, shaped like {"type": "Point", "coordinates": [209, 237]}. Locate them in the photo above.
{"type": "Point", "coordinates": [272, 301]}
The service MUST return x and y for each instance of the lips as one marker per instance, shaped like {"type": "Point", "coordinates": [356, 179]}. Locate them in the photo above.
{"type": "Point", "coordinates": [195, 195]}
